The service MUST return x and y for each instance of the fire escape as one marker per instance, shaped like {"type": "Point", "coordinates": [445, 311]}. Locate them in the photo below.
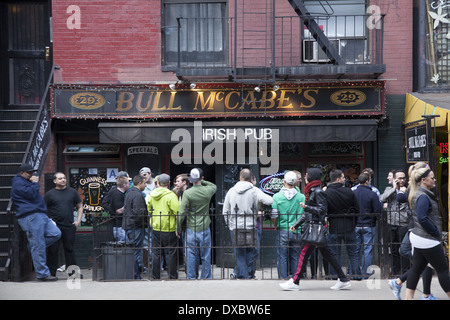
{"type": "Point", "coordinates": [263, 47]}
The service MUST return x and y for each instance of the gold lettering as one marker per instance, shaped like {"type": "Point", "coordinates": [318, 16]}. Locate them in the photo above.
{"type": "Point", "coordinates": [127, 102]}
{"type": "Point", "coordinates": [227, 100]}
{"type": "Point", "coordinates": [271, 100]}
{"type": "Point", "coordinates": [220, 95]}
{"type": "Point", "coordinates": [203, 103]}
{"type": "Point", "coordinates": [172, 98]}
{"type": "Point", "coordinates": [283, 99]}
{"type": "Point", "coordinates": [250, 100]}
{"type": "Point", "coordinates": [309, 98]}
{"type": "Point", "coordinates": [139, 100]}
{"type": "Point", "coordinates": [156, 102]}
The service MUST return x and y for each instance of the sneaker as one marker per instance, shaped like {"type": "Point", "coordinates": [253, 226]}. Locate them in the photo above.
{"type": "Point", "coordinates": [341, 285]}
{"type": "Point", "coordinates": [290, 285]}
{"type": "Point", "coordinates": [430, 297]}
{"type": "Point", "coordinates": [395, 288]}
{"type": "Point", "coordinates": [49, 278]}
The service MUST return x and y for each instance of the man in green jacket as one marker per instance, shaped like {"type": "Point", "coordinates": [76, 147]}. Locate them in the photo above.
{"type": "Point", "coordinates": [163, 206]}
{"type": "Point", "coordinates": [195, 208]}
{"type": "Point", "coordinates": [285, 211]}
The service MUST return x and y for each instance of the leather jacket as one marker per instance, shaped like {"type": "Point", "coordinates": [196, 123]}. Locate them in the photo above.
{"type": "Point", "coordinates": [316, 207]}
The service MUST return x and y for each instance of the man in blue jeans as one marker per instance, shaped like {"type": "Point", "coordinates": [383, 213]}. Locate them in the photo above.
{"type": "Point", "coordinates": [135, 217]}
{"type": "Point", "coordinates": [240, 211]}
{"type": "Point", "coordinates": [286, 210]}
{"type": "Point", "coordinates": [195, 209]}
{"type": "Point", "coordinates": [31, 213]}
{"type": "Point", "coordinates": [366, 231]}
{"type": "Point", "coordinates": [342, 209]}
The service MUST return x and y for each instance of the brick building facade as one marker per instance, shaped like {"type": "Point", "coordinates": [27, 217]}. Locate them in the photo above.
{"type": "Point", "coordinates": [129, 73]}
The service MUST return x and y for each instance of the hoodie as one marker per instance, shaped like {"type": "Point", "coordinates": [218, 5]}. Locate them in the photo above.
{"type": "Point", "coordinates": [286, 207]}
{"type": "Point", "coordinates": [163, 207]}
{"type": "Point", "coordinates": [26, 197]}
{"type": "Point", "coordinates": [240, 208]}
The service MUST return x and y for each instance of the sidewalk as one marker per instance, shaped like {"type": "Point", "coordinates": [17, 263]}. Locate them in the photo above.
{"type": "Point", "coordinates": [201, 290]}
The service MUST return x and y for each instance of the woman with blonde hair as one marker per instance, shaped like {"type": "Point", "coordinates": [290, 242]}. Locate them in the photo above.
{"type": "Point", "coordinates": [426, 236]}
{"type": "Point", "coordinates": [406, 249]}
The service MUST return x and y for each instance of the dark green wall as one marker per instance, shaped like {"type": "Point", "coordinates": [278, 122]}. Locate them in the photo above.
{"type": "Point", "coordinates": [391, 140]}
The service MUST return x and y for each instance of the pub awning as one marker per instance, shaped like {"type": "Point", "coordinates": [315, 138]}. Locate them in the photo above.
{"type": "Point", "coordinates": [419, 104]}
{"type": "Point", "coordinates": [327, 130]}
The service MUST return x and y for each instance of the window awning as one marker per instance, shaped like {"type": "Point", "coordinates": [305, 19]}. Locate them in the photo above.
{"type": "Point", "coordinates": [337, 130]}
{"type": "Point", "coordinates": [419, 104]}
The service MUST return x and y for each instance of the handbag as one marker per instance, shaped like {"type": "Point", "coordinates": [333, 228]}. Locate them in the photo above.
{"type": "Point", "coordinates": [315, 234]}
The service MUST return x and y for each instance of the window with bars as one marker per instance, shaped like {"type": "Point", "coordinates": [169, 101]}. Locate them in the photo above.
{"type": "Point", "coordinates": [343, 22]}
{"type": "Point", "coordinates": [194, 32]}
{"type": "Point", "coordinates": [435, 49]}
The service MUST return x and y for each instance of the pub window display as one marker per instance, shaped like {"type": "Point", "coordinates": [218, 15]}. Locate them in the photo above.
{"type": "Point", "coordinates": [92, 185]}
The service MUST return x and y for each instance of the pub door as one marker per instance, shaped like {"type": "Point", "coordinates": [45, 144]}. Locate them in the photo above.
{"type": "Point", "coordinates": [226, 177]}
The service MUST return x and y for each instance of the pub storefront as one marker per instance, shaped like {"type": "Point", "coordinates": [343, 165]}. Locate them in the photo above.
{"type": "Point", "coordinates": [219, 127]}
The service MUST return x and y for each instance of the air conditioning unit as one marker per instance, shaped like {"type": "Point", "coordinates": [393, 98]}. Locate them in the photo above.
{"type": "Point", "coordinates": [313, 53]}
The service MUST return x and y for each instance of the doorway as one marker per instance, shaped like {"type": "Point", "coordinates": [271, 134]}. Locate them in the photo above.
{"type": "Point", "coordinates": [25, 53]}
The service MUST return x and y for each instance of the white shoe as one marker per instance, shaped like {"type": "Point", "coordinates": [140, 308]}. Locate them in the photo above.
{"type": "Point", "coordinates": [341, 285]}
{"type": "Point", "coordinates": [290, 286]}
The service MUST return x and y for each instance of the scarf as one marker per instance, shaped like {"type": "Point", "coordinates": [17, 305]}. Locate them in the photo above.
{"type": "Point", "coordinates": [309, 186]}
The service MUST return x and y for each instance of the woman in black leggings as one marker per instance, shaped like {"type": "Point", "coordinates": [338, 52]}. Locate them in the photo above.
{"type": "Point", "coordinates": [426, 235]}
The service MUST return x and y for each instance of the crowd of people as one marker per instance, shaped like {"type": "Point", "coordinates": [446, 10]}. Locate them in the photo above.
{"type": "Point", "coordinates": [178, 217]}
{"type": "Point", "coordinates": [151, 214]}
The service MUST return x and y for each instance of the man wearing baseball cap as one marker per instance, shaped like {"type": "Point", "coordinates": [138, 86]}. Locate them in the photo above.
{"type": "Point", "coordinates": [31, 213]}
{"type": "Point", "coordinates": [149, 183]}
{"type": "Point", "coordinates": [285, 211]}
{"type": "Point", "coordinates": [195, 208]}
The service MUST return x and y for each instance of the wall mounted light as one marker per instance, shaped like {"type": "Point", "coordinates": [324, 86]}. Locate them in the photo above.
{"type": "Point", "coordinates": [192, 85]}
{"type": "Point", "coordinates": [172, 86]}
{"type": "Point", "coordinates": [257, 89]}
{"type": "Point", "coordinates": [275, 88]}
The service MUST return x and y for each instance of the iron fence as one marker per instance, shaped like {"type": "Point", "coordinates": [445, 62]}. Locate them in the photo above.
{"type": "Point", "coordinates": [212, 251]}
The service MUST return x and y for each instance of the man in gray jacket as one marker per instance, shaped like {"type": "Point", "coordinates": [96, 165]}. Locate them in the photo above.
{"type": "Point", "coordinates": [397, 219]}
{"type": "Point", "coordinates": [241, 211]}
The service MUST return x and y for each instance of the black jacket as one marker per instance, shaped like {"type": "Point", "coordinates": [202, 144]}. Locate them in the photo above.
{"type": "Point", "coordinates": [135, 214]}
{"type": "Point", "coordinates": [316, 207]}
{"type": "Point", "coordinates": [341, 200]}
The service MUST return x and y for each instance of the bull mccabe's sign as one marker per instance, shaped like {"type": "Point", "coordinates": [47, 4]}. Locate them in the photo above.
{"type": "Point", "coordinates": [160, 102]}
{"type": "Point", "coordinates": [416, 143]}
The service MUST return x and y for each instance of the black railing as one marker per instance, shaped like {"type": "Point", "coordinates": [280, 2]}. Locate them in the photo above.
{"type": "Point", "coordinates": [222, 47]}
{"type": "Point", "coordinates": [115, 260]}
{"type": "Point", "coordinates": [20, 263]}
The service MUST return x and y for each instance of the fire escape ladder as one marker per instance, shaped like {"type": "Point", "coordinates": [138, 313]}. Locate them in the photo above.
{"type": "Point", "coordinates": [317, 33]}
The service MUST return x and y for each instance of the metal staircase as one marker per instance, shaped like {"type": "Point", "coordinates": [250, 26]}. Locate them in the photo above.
{"type": "Point", "coordinates": [16, 129]}
{"type": "Point", "coordinates": [24, 138]}
{"type": "Point", "coordinates": [316, 32]}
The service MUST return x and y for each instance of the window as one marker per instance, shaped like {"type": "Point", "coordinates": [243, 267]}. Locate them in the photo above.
{"type": "Point", "coordinates": [342, 21]}
{"type": "Point", "coordinates": [435, 46]}
{"type": "Point", "coordinates": [339, 18]}
{"type": "Point", "coordinates": [194, 32]}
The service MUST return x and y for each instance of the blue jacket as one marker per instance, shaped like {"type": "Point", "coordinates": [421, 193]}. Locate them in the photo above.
{"type": "Point", "coordinates": [368, 203]}
{"type": "Point", "coordinates": [26, 197]}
